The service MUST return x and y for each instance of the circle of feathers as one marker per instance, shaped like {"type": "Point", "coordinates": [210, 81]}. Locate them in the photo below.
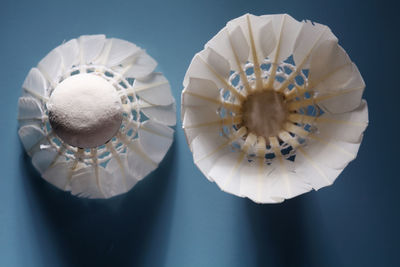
{"type": "Point", "coordinates": [142, 140]}
{"type": "Point", "coordinates": [301, 60]}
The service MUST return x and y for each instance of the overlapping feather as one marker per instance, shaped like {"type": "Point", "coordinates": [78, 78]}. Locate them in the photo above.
{"type": "Point", "coordinates": [337, 88]}
{"type": "Point", "coordinates": [142, 154]}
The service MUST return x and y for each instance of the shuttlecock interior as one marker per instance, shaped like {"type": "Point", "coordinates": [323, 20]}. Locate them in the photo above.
{"type": "Point", "coordinates": [85, 110]}
{"type": "Point", "coordinates": [264, 113]}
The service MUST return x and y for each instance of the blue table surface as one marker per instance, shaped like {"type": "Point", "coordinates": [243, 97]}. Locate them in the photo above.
{"type": "Point", "coordinates": [175, 217]}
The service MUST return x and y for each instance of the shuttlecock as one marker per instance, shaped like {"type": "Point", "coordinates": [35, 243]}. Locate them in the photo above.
{"type": "Point", "coordinates": [95, 117]}
{"type": "Point", "coordinates": [273, 108]}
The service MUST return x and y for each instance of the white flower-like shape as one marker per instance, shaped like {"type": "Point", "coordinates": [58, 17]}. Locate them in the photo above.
{"type": "Point", "coordinates": [95, 117]}
{"type": "Point", "coordinates": [273, 108]}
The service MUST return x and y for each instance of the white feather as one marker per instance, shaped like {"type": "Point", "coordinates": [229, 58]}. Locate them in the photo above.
{"type": "Point", "coordinates": [345, 97]}
{"type": "Point", "coordinates": [120, 51]}
{"type": "Point", "coordinates": [347, 126]}
{"type": "Point", "coordinates": [309, 38]}
{"type": "Point", "coordinates": [29, 109]}
{"type": "Point", "coordinates": [267, 42]}
{"type": "Point", "coordinates": [232, 45]}
{"type": "Point", "coordinates": [286, 31]}
{"type": "Point", "coordinates": [256, 23]}
{"type": "Point", "coordinates": [69, 53]}
{"type": "Point", "coordinates": [35, 83]}
{"type": "Point", "coordinates": [51, 66]}
{"type": "Point", "coordinates": [155, 89]}
{"type": "Point", "coordinates": [274, 183]}
{"type": "Point", "coordinates": [225, 172]}
{"type": "Point", "coordinates": [122, 180]}
{"type": "Point", "coordinates": [200, 92]}
{"type": "Point", "coordinates": [140, 164]}
{"type": "Point", "coordinates": [208, 65]}
{"type": "Point", "coordinates": [317, 174]}
{"type": "Point", "coordinates": [58, 174]}
{"type": "Point", "coordinates": [207, 148]}
{"type": "Point", "coordinates": [155, 139]}
{"type": "Point", "coordinates": [254, 185]}
{"type": "Point", "coordinates": [141, 66]}
{"type": "Point", "coordinates": [332, 153]}
{"type": "Point", "coordinates": [84, 182]}
{"type": "Point", "coordinates": [43, 158]}
{"type": "Point", "coordinates": [196, 121]}
{"type": "Point", "coordinates": [282, 180]}
{"type": "Point", "coordinates": [165, 115]}
{"type": "Point", "coordinates": [90, 47]}
{"type": "Point", "coordinates": [30, 136]}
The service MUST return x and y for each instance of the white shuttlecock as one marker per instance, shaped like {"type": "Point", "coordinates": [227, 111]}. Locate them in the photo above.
{"type": "Point", "coordinates": [95, 117]}
{"type": "Point", "coordinates": [273, 108]}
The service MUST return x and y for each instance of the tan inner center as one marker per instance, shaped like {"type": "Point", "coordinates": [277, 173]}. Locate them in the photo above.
{"type": "Point", "coordinates": [264, 113]}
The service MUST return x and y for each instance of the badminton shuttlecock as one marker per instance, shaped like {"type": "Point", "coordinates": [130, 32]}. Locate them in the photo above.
{"type": "Point", "coordinates": [95, 117]}
{"type": "Point", "coordinates": [273, 108]}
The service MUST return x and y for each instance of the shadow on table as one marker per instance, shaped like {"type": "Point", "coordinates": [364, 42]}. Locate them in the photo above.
{"type": "Point", "coordinates": [288, 234]}
{"type": "Point", "coordinates": [114, 232]}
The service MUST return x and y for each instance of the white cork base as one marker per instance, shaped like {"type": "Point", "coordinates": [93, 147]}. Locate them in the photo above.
{"type": "Point", "coordinates": [85, 110]}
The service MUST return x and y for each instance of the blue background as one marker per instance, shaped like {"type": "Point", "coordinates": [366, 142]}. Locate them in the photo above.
{"type": "Point", "coordinates": [175, 217]}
